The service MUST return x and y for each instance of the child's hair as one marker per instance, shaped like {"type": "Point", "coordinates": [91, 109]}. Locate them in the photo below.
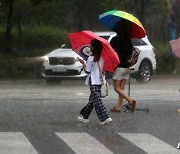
{"type": "Point", "coordinates": [97, 48]}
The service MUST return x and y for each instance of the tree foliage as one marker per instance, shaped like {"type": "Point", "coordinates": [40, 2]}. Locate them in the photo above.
{"type": "Point", "coordinates": [76, 15]}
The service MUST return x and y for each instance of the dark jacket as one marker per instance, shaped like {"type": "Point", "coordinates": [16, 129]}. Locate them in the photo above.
{"type": "Point", "coordinates": [123, 47]}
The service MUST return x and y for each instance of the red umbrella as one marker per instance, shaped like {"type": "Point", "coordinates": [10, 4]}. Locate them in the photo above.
{"type": "Point", "coordinates": [175, 46]}
{"type": "Point", "coordinates": [83, 38]}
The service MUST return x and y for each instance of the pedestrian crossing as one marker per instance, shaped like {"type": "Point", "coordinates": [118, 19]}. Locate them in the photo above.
{"type": "Point", "coordinates": [84, 143]}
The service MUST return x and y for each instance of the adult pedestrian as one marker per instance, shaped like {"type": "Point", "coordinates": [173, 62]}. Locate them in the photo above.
{"type": "Point", "coordinates": [94, 82]}
{"type": "Point", "coordinates": [122, 44]}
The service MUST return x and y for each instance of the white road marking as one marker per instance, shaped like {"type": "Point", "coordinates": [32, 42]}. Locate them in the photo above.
{"type": "Point", "coordinates": [85, 95]}
{"type": "Point", "coordinates": [149, 143]}
{"type": "Point", "coordinates": [60, 94]}
{"type": "Point", "coordinates": [83, 143]}
{"type": "Point", "coordinates": [15, 143]}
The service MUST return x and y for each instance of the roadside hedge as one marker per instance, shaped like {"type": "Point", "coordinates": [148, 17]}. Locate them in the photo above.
{"type": "Point", "coordinates": [34, 37]}
{"type": "Point", "coordinates": [20, 68]}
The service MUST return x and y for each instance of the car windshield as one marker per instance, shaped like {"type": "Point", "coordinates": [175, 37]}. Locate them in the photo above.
{"type": "Point", "coordinates": [138, 42]}
{"type": "Point", "coordinates": [105, 37]}
{"type": "Point", "coordinates": [66, 45]}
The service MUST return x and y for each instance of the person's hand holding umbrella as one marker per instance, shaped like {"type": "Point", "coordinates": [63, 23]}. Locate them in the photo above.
{"type": "Point", "coordinates": [82, 62]}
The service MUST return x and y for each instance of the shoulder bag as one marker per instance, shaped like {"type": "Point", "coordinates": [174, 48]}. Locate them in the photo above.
{"type": "Point", "coordinates": [134, 57]}
{"type": "Point", "coordinates": [104, 86]}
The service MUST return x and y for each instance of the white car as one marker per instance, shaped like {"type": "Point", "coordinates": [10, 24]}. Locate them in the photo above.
{"type": "Point", "coordinates": [61, 63]}
{"type": "Point", "coordinates": [146, 64]}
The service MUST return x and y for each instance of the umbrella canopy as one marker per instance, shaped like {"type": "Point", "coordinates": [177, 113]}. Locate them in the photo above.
{"type": "Point", "coordinates": [114, 21]}
{"type": "Point", "coordinates": [175, 46]}
{"type": "Point", "coordinates": [84, 38]}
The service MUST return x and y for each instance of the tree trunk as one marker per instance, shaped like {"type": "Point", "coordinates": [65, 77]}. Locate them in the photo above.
{"type": "Point", "coordinates": [8, 35]}
{"type": "Point", "coordinates": [19, 16]}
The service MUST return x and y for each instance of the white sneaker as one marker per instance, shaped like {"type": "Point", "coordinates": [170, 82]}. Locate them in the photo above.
{"type": "Point", "coordinates": [106, 121]}
{"type": "Point", "coordinates": [81, 119]}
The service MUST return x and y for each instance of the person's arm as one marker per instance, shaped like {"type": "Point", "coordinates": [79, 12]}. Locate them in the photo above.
{"type": "Point", "coordinates": [83, 64]}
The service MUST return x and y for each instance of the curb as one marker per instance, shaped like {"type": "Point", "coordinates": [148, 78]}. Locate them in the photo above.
{"type": "Point", "coordinates": [166, 76]}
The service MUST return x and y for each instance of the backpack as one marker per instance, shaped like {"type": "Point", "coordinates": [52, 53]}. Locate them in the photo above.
{"type": "Point", "coordinates": [134, 57]}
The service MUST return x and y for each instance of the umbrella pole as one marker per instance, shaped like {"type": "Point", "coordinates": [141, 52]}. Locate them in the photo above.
{"type": "Point", "coordinates": [129, 84]}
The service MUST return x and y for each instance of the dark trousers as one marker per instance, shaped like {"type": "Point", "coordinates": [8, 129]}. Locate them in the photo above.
{"type": "Point", "coordinates": [95, 101]}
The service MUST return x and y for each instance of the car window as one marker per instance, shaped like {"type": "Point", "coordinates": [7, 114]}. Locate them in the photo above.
{"type": "Point", "coordinates": [138, 42]}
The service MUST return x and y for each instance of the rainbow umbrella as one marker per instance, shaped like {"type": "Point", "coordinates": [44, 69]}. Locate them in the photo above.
{"type": "Point", "coordinates": [119, 20]}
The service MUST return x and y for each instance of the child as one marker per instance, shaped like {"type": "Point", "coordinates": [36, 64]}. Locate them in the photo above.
{"type": "Point", "coordinates": [94, 81]}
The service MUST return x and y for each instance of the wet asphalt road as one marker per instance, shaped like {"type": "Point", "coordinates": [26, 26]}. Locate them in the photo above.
{"type": "Point", "coordinates": [41, 113]}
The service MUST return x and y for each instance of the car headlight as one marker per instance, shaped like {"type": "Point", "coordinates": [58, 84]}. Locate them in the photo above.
{"type": "Point", "coordinates": [45, 58]}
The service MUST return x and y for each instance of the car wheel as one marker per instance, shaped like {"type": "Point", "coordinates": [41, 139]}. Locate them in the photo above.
{"type": "Point", "coordinates": [145, 72]}
{"type": "Point", "coordinates": [53, 81]}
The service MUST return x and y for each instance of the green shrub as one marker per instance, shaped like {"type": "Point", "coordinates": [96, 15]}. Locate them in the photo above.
{"type": "Point", "coordinates": [167, 63]}
{"type": "Point", "coordinates": [177, 71]}
{"type": "Point", "coordinates": [2, 39]}
{"type": "Point", "coordinates": [20, 68]}
{"type": "Point", "coordinates": [41, 37]}
{"type": "Point", "coordinates": [35, 37]}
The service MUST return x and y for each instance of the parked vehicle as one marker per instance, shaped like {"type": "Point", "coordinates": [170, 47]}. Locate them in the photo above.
{"type": "Point", "coordinates": [62, 62]}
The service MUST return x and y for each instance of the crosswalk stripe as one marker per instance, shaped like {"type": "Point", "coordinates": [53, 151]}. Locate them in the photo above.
{"type": "Point", "coordinates": [15, 143]}
{"type": "Point", "coordinates": [83, 143]}
{"type": "Point", "coordinates": [149, 143]}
